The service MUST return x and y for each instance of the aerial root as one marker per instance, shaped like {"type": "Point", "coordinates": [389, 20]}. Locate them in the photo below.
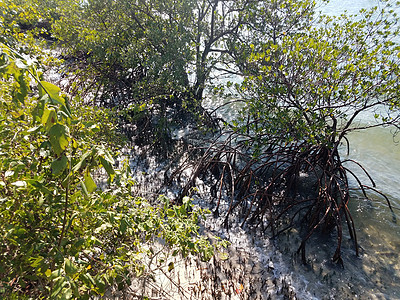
{"type": "Point", "coordinates": [283, 187]}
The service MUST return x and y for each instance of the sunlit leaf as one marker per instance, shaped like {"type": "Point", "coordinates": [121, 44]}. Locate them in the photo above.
{"type": "Point", "coordinates": [82, 159]}
{"type": "Point", "coordinates": [19, 183]}
{"type": "Point", "coordinates": [48, 273]}
{"type": "Point", "coordinates": [53, 91]}
{"type": "Point", "coordinates": [59, 138]}
{"type": "Point", "coordinates": [223, 255]}
{"type": "Point", "coordinates": [89, 183]}
{"type": "Point", "coordinates": [108, 167]}
{"type": "Point", "coordinates": [49, 118]}
{"type": "Point", "coordinates": [9, 173]}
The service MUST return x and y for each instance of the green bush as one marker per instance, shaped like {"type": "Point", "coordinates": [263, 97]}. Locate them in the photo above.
{"type": "Point", "coordinates": [60, 235]}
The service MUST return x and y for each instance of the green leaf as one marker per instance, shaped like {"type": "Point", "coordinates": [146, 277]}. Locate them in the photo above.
{"type": "Point", "coordinates": [74, 144]}
{"type": "Point", "coordinates": [84, 189]}
{"type": "Point", "coordinates": [37, 262]}
{"type": "Point", "coordinates": [79, 243]}
{"type": "Point", "coordinates": [17, 114]}
{"type": "Point", "coordinates": [53, 91]}
{"type": "Point", "coordinates": [48, 273]}
{"type": "Point", "coordinates": [23, 88]}
{"type": "Point", "coordinates": [108, 157]}
{"type": "Point", "coordinates": [75, 289]}
{"type": "Point", "coordinates": [56, 274]}
{"type": "Point", "coordinates": [123, 226]}
{"type": "Point", "coordinates": [4, 60]}
{"type": "Point", "coordinates": [100, 286]}
{"type": "Point", "coordinates": [59, 138]}
{"type": "Point", "coordinates": [66, 293]}
{"type": "Point", "coordinates": [59, 165]}
{"type": "Point", "coordinates": [60, 282]}
{"type": "Point", "coordinates": [89, 183]}
{"type": "Point", "coordinates": [83, 158]}
{"type": "Point", "coordinates": [70, 268]}
{"type": "Point", "coordinates": [171, 266]}
{"type": "Point", "coordinates": [108, 167]}
{"type": "Point", "coordinates": [87, 279]}
{"type": "Point", "coordinates": [49, 118]}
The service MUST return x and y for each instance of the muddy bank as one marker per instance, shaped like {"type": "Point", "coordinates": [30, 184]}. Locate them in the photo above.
{"type": "Point", "coordinates": [255, 267]}
{"type": "Point", "coordinates": [250, 268]}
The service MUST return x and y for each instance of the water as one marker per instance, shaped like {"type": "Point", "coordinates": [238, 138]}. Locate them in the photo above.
{"type": "Point", "coordinates": [378, 227]}
{"type": "Point", "coordinates": [376, 273]}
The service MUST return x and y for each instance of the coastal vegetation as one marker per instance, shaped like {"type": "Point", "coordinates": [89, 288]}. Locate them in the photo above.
{"type": "Point", "coordinates": [304, 91]}
{"type": "Point", "coordinates": [137, 70]}
{"type": "Point", "coordinates": [61, 235]}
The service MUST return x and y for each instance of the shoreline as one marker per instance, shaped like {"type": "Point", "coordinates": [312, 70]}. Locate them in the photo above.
{"type": "Point", "coordinates": [253, 268]}
{"type": "Point", "coordinates": [287, 279]}
{"type": "Point", "coordinates": [257, 266]}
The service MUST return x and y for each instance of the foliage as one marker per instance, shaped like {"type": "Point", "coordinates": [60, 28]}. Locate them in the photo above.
{"type": "Point", "coordinates": [61, 236]}
{"type": "Point", "coordinates": [305, 98]}
{"type": "Point", "coordinates": [315, 83]}
{"type": "Point", "coordinates": [304, 92]}
{"type": "Point", "coordinates": [307, 80]}
{"type": "Point", "coordinates": [155, 59]}
{"type": "Point", "coordinates": [157, 44]}
{"type": "Point", "coordinates": [267, 22]}
{"type": "Point", "coordinates": [22, 23]}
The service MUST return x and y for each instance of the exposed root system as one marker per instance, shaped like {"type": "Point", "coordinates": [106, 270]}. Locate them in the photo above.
{"type": "Point", "coordinates": [302, 185]}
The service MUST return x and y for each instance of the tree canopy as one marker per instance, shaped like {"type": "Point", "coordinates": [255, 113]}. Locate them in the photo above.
{"type": "Point", "coordinates": [304, 81]}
